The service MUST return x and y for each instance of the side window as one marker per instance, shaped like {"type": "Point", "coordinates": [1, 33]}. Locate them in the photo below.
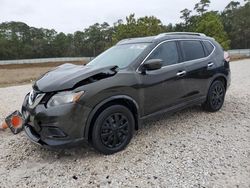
{"type": "Point", "coordinates": [167, 52]}
{"type": "Point", "coordinates": [209, 47]}
{"type": "Point", "coordinates": [192, 49]}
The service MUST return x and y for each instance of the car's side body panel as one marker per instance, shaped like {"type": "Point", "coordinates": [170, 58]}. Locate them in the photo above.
{"type": "Point", "coordinates": [151, 93]}
{"type": "Point", "coordinates": [161, 88]}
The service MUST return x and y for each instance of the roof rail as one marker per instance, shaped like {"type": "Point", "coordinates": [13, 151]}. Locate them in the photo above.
{"type": "Point", "coordinates": [180, 33]}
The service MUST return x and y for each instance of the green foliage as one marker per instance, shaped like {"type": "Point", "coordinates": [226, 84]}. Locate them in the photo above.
{"type": "Point", "coordinates": [205, 22]}
{"type": "Point", "coordinates": [18, 40]}
{"type": "Point", "coordinates": [202, 6]}
{"type": "Point", "coordinates": [236, 20]}
{"type": "Point", "coordinates": [145, 26]}
{"type": "Point", "coordinates": [211, 25]}
{"type": "Point", "coordinates": [98, 37]}
{"type": "Point", "coordinates": [185, 15]}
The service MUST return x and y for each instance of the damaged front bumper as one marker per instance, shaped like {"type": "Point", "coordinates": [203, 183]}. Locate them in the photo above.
{"type": "Point", "coordinates": [50, 143]}
{"type": "Point", "coordinates": [55, 127]}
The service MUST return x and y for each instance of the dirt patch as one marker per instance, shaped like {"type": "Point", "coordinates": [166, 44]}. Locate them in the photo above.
{"type": "Point", "coordinates": [238, 57]}
{"type": "Point", "coordinates": [16, 74]}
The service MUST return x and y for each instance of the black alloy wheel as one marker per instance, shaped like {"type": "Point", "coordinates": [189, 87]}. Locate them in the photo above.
{"type": "Point", "coordinates": [215, 98]}
{"type": "Point", "coordinates": [113, 129]}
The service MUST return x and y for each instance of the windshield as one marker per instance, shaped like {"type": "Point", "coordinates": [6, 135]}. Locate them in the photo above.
{"type": "Point", "coordinates": [120, 55]}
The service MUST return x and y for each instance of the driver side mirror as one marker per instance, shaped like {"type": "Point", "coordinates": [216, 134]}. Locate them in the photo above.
{"type": "Point", "coordinates": [152, 64]}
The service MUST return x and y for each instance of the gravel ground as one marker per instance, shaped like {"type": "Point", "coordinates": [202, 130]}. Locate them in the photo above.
{"type": "Point", "coordinates": [191, 148]}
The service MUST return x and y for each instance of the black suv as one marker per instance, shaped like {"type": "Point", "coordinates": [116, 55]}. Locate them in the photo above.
{"type": "Point", "coordinates": [103, 102]}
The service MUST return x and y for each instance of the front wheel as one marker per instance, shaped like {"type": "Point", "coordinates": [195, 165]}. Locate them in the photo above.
{"type": "Point", "coordinates": [215, 97]}
{"type": "Point", "coordinates": [113, 129]}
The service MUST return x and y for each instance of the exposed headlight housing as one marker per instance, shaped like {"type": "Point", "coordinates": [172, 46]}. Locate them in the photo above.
{"type": "Point", "coordinates": [34, 98]}
{"type": "Point", "coordinates": [64, 98]}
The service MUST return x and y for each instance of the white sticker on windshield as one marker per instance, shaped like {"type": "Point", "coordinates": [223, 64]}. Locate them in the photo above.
{"type": "Point", "coordinates": [138, 46]}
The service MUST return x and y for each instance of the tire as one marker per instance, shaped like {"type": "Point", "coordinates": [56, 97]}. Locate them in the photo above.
{"type": "Point", "coordinates": [113, 129]}
{"type": "Point", "coordinates": [215, 97]}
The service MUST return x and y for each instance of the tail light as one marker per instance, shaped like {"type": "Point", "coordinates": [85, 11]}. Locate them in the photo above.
{"type": "Point", "coordinates": [226, 56]}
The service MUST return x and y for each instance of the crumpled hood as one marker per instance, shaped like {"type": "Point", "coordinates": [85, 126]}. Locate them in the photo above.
{"type": "Point", "coordinates": [67, 76]}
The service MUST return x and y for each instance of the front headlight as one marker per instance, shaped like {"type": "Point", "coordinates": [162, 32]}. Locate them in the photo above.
{"type": "Point", "coordinates": [64, 98]}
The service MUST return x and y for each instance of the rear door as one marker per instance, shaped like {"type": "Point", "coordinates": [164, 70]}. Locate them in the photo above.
{"type": "Point", "coordinates": [198, 66]}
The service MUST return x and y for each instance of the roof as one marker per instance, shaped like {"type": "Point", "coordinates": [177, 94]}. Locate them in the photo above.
{"type": "Point", "coordinates": [164, 36]}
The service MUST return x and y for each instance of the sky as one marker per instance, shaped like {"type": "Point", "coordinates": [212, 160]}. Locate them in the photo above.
{"type": "Point", "coordinates": [71, 15]}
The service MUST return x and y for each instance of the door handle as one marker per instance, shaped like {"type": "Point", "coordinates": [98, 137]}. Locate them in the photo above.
{"type": "Point", "coordinates": [181, 73]}
{"type": "Point", "coordinates": [210, 64]}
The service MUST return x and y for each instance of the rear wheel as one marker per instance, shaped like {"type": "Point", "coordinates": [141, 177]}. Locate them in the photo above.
{"type": "Point", "coordinates": [113, 129]}
{"type": "Point", "coordinates": [215, 97]}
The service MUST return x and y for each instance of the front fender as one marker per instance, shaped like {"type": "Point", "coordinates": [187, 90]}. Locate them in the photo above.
{"type": "Point", "coordinates": [103, 102]}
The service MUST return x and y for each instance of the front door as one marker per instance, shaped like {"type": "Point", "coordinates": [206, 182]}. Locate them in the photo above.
{"type": "Point", "coordinates": [163, 88]}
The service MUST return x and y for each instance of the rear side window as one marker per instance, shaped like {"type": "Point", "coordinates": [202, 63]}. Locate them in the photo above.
{"type": "Point", "coordinates": [167, 52]}
{"type": "Point", "coordinates": [209, 47]}
{"type": "Point", "coordinates": [192, 49]}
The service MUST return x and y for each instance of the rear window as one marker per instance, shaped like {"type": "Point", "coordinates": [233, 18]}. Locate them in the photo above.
{"type": "Point", "coordinates": [209, 47]}
{"type": "Point", "coordinates": [192, 50]}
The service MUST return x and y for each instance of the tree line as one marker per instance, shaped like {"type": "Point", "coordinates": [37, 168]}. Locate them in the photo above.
{"type": "Point", "coordinates": [231, 28]}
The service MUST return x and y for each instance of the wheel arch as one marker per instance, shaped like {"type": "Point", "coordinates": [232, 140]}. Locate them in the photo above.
{"type": "Point", "coordinates": [221, 78]}
{"type": "Point", "coordinates": [124, 100]}
{"type": "Point", "coordinates": [207, 105]}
